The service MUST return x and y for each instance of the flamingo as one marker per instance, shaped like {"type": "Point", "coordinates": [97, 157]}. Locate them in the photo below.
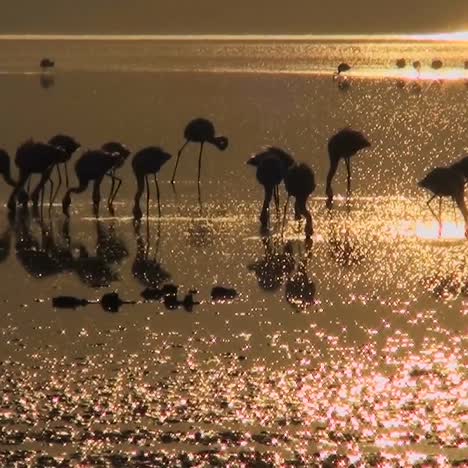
{"type": "Point", "coordinates": [200, 131]}
{"type": "Point", "coordinates": [35, 158]}
{"type": "Point", "coordinates": [300, 184]}
{"type": "Point", "coordinates": [462, 166]}
{"type": "Point", "coordinates": [342, 68]}
{"type": "Point", "coordinates": [122, 152]}
{"type": "Point", "coordinates": [69, 145]}
{"type": "Point", "coordinates": [272, 165]}
{"type": "Point", "coordinates": [93, 165]}
{"type": "Point", "coordinates": [417, 67]}
{"type": "Point", "coordinates": [446, 182]}
{"type": "Point", "coordinates": [146, 162]}
{"type": "Point", "coordinates": [343, 145]}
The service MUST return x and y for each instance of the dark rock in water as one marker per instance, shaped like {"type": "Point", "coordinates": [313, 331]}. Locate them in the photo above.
{"type": "Point", "coordinates": [111, 302]}
{"type": "Point", "coordinates": [220, 293]}
{"type": "Point", "coordinates": [68, 302]}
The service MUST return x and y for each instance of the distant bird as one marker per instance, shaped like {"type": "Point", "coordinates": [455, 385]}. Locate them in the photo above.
{"type": "Point", "coordinates": [200, 131]}
{"type": "Point", "coordinates": [122, 153]}
{"type": "Point", "coordinates": [46, 63]}
{"type": "Point", "coordinates": [300, 184]}
{"type": "Point", "coordinates": [401, 63]}
{"type": "Point", "coordinates": [92, 166]}
{"type": "Point", "coordinates": [147, 161]}
{"type": "Point", "coordinates": [272, 165]}
{"type": "Point", "coordinates": [342, 68]}
{"type": "Point", "coordinates": [35, 158]}
{"type": "Point", "coordinates": [446, 182]}
{"type": "Point", "coordinates": [343, 145]}
{"type": "Point", "coordinates": [466, 64]}
{"type": "Point", "coordinates": [69, 145]}
{"type": "Point", "coordinates": [437, 64]}
{"type": "Point", "coordinates": [417, 66]}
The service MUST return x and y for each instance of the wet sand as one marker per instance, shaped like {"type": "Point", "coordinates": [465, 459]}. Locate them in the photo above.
{"type": "Point", "coordinates": [350, 347]}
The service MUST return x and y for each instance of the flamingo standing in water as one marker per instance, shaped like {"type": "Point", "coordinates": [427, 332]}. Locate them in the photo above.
{"type": "Point", "coordinates": [446, 182]}
{"type": "Point", "coordinates": [200, 131]}
{"type": "Point", "coordinates": [92, 166]}
{"type": "Point", "coordinates": [122, 153]}
{"type": "Point", "coordinates": [69, 145]}
{"type": "Point", "coordinates": [401, 63]}
{"type": "Point", "coordinates": [272, 165]}
{"type": "Point", "coordinates": [343, 145]}
{"type": "Point", "coordinates": [300, 184]}
{"type": "Point", "coordinates": [35, 158]}
{"type": "Point", "coordinates": [147, 161]}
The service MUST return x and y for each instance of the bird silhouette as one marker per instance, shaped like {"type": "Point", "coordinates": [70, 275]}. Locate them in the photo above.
{"type": "Point", "coordinates": [462, 166]}
{"type": "Point", "coordinates": [272, 165]}
{"type": "Point", "coordinates": [343, 145]}
{"type": "Point", "coordinates": [437, 64]}
{"type": "Point", "coordinates": [300, 184]}
{"type": "Point", "coordinates": [69, 145]}
{"type": "Point", "coordinates": [35, 158]}
{"type": "Point", "coordinates": [46, 63]}
{"type": "Point", "coordinates": [342, 68]}
{"type": "Point", "coordinates": [200, 131]}
{"type": "Point", "coordinates": [446, 182]}
{"type": "Point", "coordinates": [92, 166]}
{"type": "Point", "coordinates": [401, 63]}
{"type": "Point", "coordinates": [147, 161]}
{"type": "Point", "coordinates": [122, 153]}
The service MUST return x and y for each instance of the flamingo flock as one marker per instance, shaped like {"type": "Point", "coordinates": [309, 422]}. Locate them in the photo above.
{"type": "Point", "coordinates": [273, 165]}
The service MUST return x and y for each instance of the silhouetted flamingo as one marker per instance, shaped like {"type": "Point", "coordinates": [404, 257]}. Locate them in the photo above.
{"type": "Point", "coordinates": [122, 152]}
{"type": "Point", "coordinates": [69, 145]}
{"type": "Point", "coordinates": [200, 131]}
{"type": "Point", "coordinates": [146, 162]}
{"type": "Point", "coordinates": [272, 165]}
{"type": "Point", "coordinates": [343, 145]}
{"type": "Point", "coordinates": [268, 172]}
{"type": "Point", "coordinates": [446, 182]}
{"type": "Point", "coordinates": [462, 166]}
{"type": "Point", "coordinates": [401, 63]}
{"type": "Point", "coordinates": [92, 166]}
{"type": "Point", "coordinates": [342, 68]}
{"type": "Point", "coordinates": [417, 67]}
{"type": "Point", "coordinates": [35, 158]}
{"type": "Point", "coordinates": [300, 184]}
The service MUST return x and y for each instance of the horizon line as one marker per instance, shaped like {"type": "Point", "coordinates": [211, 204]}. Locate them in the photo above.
{"type": "Point", "coordinates": [461, 36]}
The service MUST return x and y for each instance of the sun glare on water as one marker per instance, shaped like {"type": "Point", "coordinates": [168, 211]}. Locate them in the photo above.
{"type": "Point", "coordinates": [430, 230]}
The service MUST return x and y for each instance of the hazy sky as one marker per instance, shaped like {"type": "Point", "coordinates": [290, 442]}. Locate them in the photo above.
{"type": "Point", "coordinates": [232, 16]}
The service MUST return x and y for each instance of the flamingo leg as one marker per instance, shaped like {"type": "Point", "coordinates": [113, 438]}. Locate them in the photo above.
{"type": "Point", "coordinates": [97, 196]}
{"type": "Point", "coordinates": [51, 194]}
{"type": "Point", "coordinates": [157, 195]}
{"type": "Point", "coordinates": [348, 168]}
{"type": "Point", "coordinates": [54, 196]}
{"type": "Point", "coordinates": [119, 183]}
{"type": "Point", "coordinates": [265, 214]}
{"type": "Point", "coordinates": [276, 197]}
{"type": "Point", "coordinates": [66, 173]}
{"type": "Point", "coordinates": [111, 175]}
{"type": "Point", "coordinates": [199, 161]}
{"type": "Point", "coordinates": [283, 224]}
{"type": "Point", "coordinates": [432, 211]}
{"type": "Point", "coordinates": [147, 197]}
{"type": "Point", "coordinates": [200, 203]}
{"type": "Point", "coordinates": [177, 160]}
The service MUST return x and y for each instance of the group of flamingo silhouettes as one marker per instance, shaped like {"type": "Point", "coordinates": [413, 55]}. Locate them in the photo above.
{"type": "Point", "coordinates": [273, 166]}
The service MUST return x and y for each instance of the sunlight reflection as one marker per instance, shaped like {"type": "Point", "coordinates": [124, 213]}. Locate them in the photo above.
{"type": "Point", "coordinates": [429, 230]}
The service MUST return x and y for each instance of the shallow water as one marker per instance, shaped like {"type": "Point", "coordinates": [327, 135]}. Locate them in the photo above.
{"type": "Point", "coordinates": [350, 349]}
